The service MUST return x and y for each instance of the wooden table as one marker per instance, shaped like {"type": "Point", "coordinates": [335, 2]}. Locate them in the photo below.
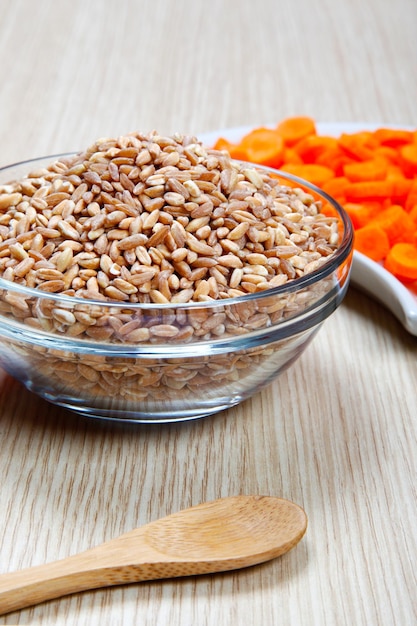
{"type": "Point", "coordinates": [336, 433]}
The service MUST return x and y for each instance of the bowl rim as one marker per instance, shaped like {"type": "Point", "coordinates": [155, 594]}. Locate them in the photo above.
{"type": "Point", "coordinates": [328, 267]}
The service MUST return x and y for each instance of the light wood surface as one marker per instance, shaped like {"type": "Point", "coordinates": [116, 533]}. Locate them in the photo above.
{"type": "Point", "coordinates": [335, 434]}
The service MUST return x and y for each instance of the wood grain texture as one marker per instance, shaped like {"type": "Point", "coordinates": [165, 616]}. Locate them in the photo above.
{"type": "Point", "coordinates": [336, 433]}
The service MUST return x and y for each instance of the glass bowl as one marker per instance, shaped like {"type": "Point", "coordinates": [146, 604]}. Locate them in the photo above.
{"type": "Point", "coordinates": [165, 362]}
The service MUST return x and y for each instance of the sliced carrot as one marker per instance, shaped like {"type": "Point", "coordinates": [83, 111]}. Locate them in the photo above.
{"type": "Point", "coordinates": [315, 174]}
{"type": "Point", "coordinates": [371, 169]}
{"type": "Point", "coordinates": [361, 214]}
{"type": "Point", "coordinates": [335, 187]}
{"type": "Point", "coordinates": [413, 215]}
{"type": "Point", "coordinates": [411, 199]}
{"type": "Point", "coordinates": [235, 150]}
{"type": "Point", "coordinates": [360, 145]}
{"type": "Point", "coordinates": [311, 147]}
{"type": "Point", "coordinates": [394, 172]}
{"type": "Point", "coordinates": [408, 156]}
{"type": "Point", "coordinates": [388, 153]}
{"type": "Point", "coordinates": [328, 209]}
{"type": "Point", "coordinates": [397, 223]}
{"type": "Point", "coordinates": [369, 190]}
{"type": "Point", "coordinates": [335, 159]}
{"type": "Point", "coordinates": [401, 261]}
{"type": "Point", "coordinates": [400, 190]}
{"type": "Point", "coordinates": [293, 129]}
{"type": "Point", "coordinates": [393, 137]}
{"type": "Point", "coordinates": [291, 156]}
{"type": "Point", "coordinates": [372, 241]}
{"type": "Point", "coordinates": [264, 146]}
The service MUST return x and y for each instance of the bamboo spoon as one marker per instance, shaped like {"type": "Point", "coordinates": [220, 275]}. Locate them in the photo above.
{"type": "Point", "coordinates": [226, 534]}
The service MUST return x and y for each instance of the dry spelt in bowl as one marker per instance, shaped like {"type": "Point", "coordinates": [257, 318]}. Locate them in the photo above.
{"type": "Point", "coordinates": [151, 278]}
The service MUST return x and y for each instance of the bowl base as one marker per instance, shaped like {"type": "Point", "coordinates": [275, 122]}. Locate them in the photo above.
{"type": "Point", "coordinates": [145, 417]}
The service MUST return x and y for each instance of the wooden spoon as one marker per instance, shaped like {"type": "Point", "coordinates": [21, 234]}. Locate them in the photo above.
{"type": "Point", "coordinates": [226, 534]}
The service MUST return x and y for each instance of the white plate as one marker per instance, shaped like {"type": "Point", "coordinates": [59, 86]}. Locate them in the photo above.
{"type": "Point", "coordinates": [367, 275]}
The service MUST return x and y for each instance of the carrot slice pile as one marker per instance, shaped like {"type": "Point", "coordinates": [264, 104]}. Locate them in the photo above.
{"type": "Point", "coordinates": [371, 173]}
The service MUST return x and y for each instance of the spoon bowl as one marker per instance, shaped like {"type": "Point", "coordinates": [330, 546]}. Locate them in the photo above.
{"type": "Point", "coordinates": [226, 534]}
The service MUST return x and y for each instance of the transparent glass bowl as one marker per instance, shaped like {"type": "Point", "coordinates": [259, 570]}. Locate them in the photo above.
{"type": "Point", "coordinates": [164, 362]}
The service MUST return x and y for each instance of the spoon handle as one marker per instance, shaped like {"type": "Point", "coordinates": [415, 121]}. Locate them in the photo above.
{"type": "Point", "coordinates": [103, 566]}
{"type": "Point", "coordinates": [37, 584]}
{"type": "Point", "coordinates": [126, 559]}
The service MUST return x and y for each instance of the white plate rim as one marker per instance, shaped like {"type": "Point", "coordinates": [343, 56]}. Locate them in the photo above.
{"type": "Point", "coordinates": [366, 274]}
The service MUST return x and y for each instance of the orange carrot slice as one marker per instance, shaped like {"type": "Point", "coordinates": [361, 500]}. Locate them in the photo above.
{"type": "Point", "coordinates": [360, 145]}
{"type": "Point", "coordinates": [293, 129]}
{"type": "Point", "coordinates": [372, 241]}
{"type": "Point", "coordinates": [335, 159]}
{"type": "Point", "coordinates": [264, 146]}
{"type": "Point", "coordinates": [393, 137]}
{"type": "Point", "coordinates": [397, 223]}
{"type": "Point", "coordinates": [335, 187]}
{"type": "Point", "coordinates": [402, 261]}
{"type": "Point", "coordinates": [369, 190]}
{"type": "Point", "coordinates": [235, 150]}
{"type": "Point", "coordinates": [291, 156]}
{"type": "Point", "coordinates": [411, 199]}
{"type": "Point", "coordinates": [313, 146]}
{"type": "Point", "coordinates": [315, 174]}
{"type": "Point", "coordinates": [408, 155]}
{"type": "Point", "coordinates": [371, 169]}
{"type": "Point", "coordinates": [413, 215]}
{"type": "Point", "coordinates": [361, 213]}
